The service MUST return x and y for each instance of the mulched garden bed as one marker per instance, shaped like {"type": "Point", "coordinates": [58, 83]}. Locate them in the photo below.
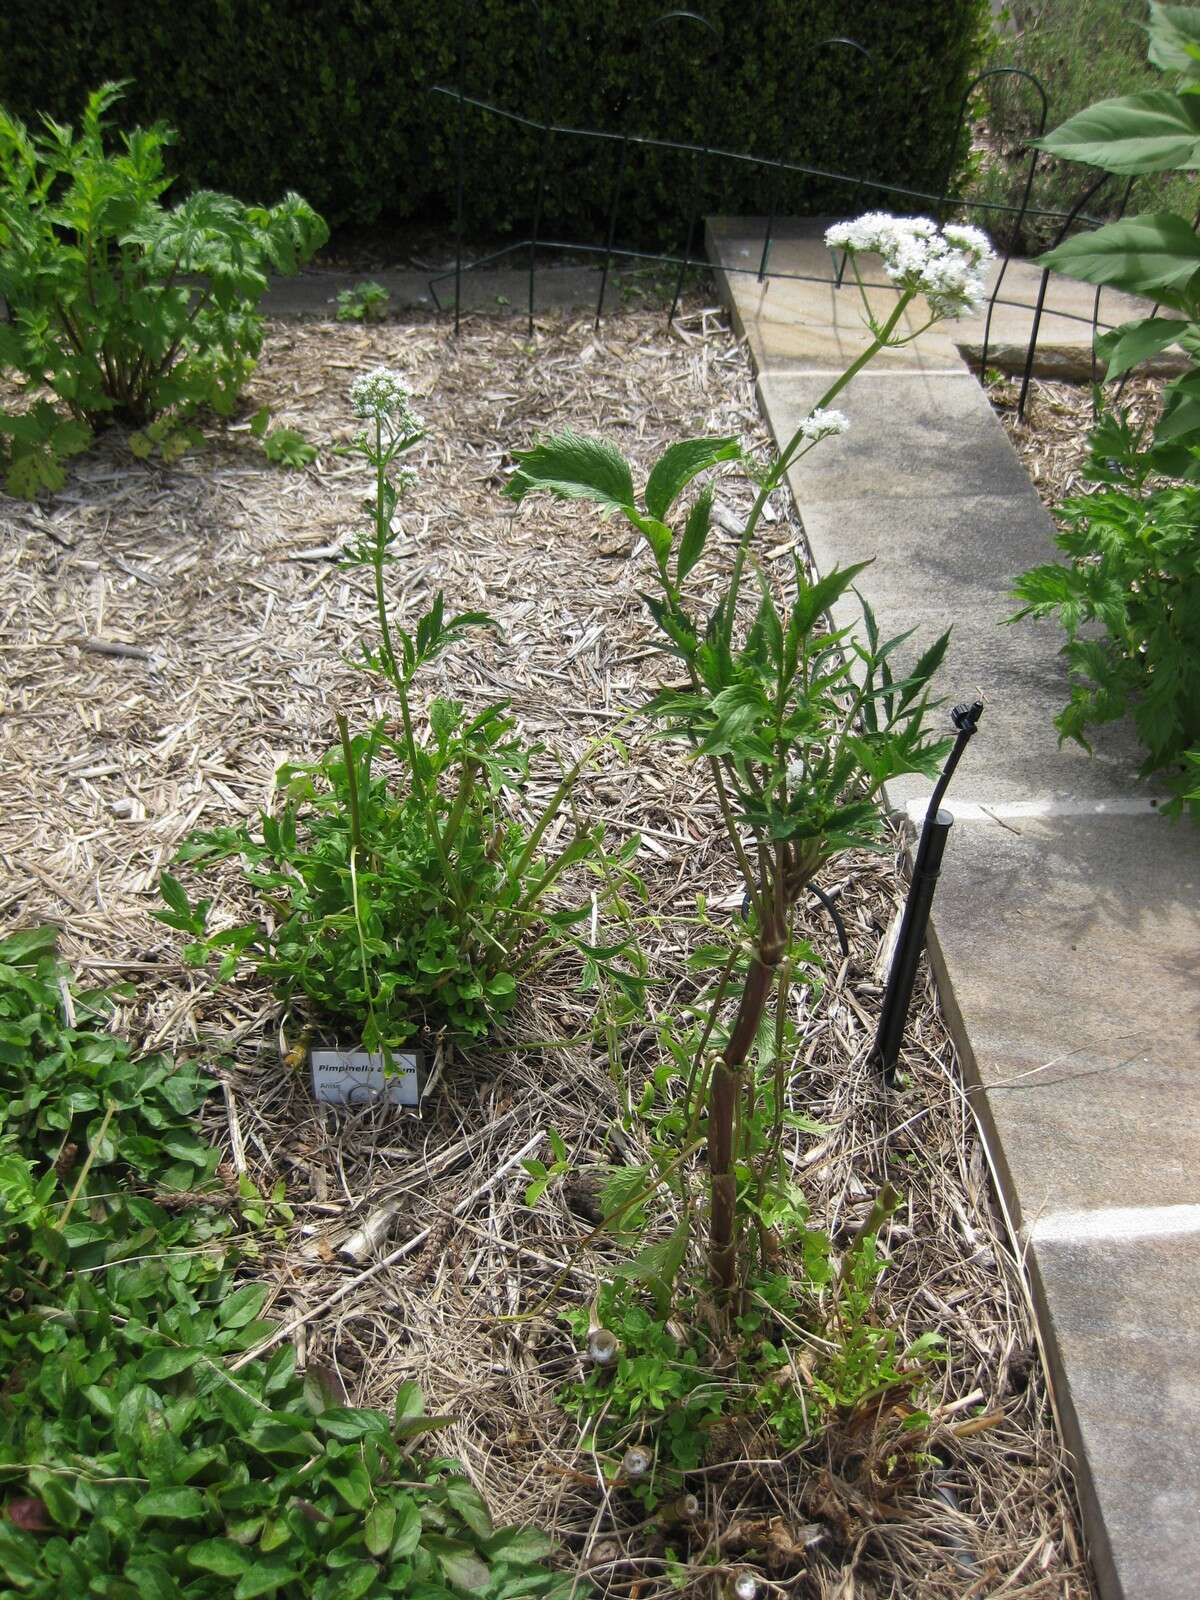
{"type": "Point", "coordinates": [170, 635]}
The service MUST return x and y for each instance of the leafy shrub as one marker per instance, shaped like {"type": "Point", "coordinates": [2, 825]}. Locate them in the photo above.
{"type": "Point", "coordinates": [798, 728]}
{"type": "Point", "coordinates": [341, 109]}
{"type": "Point", "coordinates": [132, 1462]}
{"type": "Point", "coordinates": [1133, 548]}
{"type": "Point", "coordinates": [121, 307]}
{"type": "Point", "coordinates": [1156, 255]}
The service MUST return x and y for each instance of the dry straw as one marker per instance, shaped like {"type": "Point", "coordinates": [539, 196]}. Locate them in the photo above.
{"type": "Point", "coordinates": [169, 635]}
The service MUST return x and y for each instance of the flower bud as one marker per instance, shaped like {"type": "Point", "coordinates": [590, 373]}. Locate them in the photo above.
{"type": "Point", "coordinates": [637, 1461]}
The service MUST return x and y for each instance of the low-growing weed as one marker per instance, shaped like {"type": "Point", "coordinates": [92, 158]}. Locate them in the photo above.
{"type": "Point", "coordinates": [122, 308]}
{"type": "Point", "coordinates": [364, 302]}
{"type": "Point", "coordinates": [133, 1463]}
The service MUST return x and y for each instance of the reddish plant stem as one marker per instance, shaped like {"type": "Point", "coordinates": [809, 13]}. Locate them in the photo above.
{"type": "Point", "coordinates": [723, 1096]}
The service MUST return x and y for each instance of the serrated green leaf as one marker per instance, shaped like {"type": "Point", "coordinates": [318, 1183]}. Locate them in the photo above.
{"type": "Point", "coordinates": [695, 534]}
{"type": "Point", "coordinates": [573, 467]}
{"type": "Point", "coordinates": [679, 464]}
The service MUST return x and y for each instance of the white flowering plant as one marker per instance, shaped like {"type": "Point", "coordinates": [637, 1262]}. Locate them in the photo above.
{"type": "Point", "coordinates": [401, 895]}
{"type": "Point", "coordinates": [798, 723]}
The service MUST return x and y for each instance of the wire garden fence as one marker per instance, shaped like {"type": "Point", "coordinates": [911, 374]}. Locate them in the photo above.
{"type": "Point", "coordinates": [1005, 220]}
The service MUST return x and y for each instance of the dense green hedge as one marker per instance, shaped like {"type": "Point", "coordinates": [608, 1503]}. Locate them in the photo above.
{"type": "Point", "coordinates": [330, 97]}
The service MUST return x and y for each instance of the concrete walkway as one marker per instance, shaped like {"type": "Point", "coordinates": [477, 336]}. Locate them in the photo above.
{"type": "Point", "coordinates": [1066, 935]}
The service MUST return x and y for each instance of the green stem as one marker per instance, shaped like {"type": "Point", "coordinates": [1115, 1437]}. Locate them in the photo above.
{"type": "Point", "coordinates": [775, 476]}
{"type": "Point", "coordinates": [356, 841]}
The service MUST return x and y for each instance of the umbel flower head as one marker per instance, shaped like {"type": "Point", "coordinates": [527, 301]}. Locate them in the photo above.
{"type": "Point", "coordinates": [821, 424]}
{"type": "Point", "coordinates": [382, 395]}
{"type": "Point", "coordinates": [947, 265]}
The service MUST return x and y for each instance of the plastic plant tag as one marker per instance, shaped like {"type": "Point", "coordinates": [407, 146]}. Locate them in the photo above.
{"type": "Point", "coordinates": [357, 1078]}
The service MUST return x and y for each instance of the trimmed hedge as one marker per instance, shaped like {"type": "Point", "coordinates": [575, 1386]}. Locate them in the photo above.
{"type": "Point", "coordinates": [331, 98]}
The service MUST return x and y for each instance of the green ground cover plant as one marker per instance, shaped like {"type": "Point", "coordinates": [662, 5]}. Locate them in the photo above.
{"type": "Point", "coordinates": [400, 896]}
{"type": "Point", "coordinates": [133, 1464]}
{"type": "Point", "coordinates": [1132, 540]}
{"type": "Point", "coordinates": [119, 307]}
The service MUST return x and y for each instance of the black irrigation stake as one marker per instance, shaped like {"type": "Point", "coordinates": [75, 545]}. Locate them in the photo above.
{"type": "Point", "coordinates": [913, 926]}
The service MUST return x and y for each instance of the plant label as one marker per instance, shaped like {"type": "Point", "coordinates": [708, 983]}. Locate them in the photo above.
{"type": "Point", "coordinates": [357, 1078]}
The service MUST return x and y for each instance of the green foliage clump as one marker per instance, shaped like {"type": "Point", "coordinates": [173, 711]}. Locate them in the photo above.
{"type": "Point", "coordinates": [369, 925]}
{"type": "Point", "coordinates": [341, 109]}
{"type": "Point", "coordinates": [134, 1461]}
{"type": "Point", "coordinates": [1132, 542]}
{"type": "Point", "coordinates": [1133, 566]}
{"type": "Point", "coordinates": [365, 302]}
{"type": "Point", "coordinates": [404, 900]}
{"type": "Point", "coordinates": [807, 1349]}
{"type": "Point", "coordinates": [120, 307]}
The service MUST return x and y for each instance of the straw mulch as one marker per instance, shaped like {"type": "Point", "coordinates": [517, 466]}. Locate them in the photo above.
{"type": "Point", "coordinates": [1051, 438]}
{"type": "Point", "coordinates": [170, 634]}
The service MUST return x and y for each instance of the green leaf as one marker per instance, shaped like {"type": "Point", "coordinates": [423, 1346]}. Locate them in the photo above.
{"type": "Point", "coordinates": [679, 464]}
{"type": "Point", "coordinates": [355, 1581]}
{"type": "Point", "coordinates": [1155, 131]}
{"type": "Point", "coordinates": [519, 1546]}
{"type": "Point", "coordinates": [656, 534]}
{"type": "Point", "coordinates": [265, 1577]}
{"type": "Point", "coordinates": [260, 422]}
{"type": "Point", "coordinates": [166, 1362]}
{"type": "Point", "coordinates": [243, 1305]}
{"type": "Point", "coordinates": [1175, 39]}
{"type": "Point", "coordinates": [1132, 342]}
{"type": "Point", "coordinates": [379, 1528]}
{"type": "Point", "coordinates": [461, 1566]}
{"type": "Point", "coordinates": [222, 1556]}
{"type": "Point", "coordinates": [1180, 420]}
{"type": "Point", "coordinates": [175, 1504]}
{"type": "Point", "coordinates": [695, 534]}
{"type": "Point", "coordinates": [1157, 255]}
{"type": "Point", "coordinates": [467, 1502]}
{"type": "Point", "coordinates": [572, 467]}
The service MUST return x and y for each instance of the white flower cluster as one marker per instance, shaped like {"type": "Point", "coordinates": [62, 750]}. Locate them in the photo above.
{"type": "Point", "coordinates": [947, 265]}
{"type": "Point", "coordinates": [822, 424]}
{"type": "Point", "coordinates": [383, 394]}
